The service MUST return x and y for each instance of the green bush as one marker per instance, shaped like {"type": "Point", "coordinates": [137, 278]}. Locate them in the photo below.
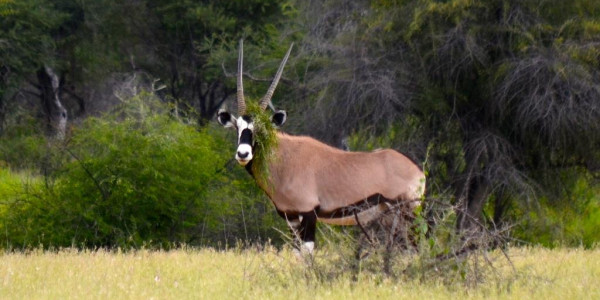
{"type": "Point", "coordinates": [140, 176]}
{"type": "Point", "coordinates": [571, 219]}
{"type": "Point", "coordinates": [17, 191]}
{"type": "Point", "coordinates": [23, 145]}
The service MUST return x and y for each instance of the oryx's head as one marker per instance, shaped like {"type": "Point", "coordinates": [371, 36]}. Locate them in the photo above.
{"type": "Point", "coordinates": [245, 122]}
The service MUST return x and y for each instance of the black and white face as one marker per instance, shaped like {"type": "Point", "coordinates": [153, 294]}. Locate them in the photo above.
{"type": "Point", "coordinates": [244, 126]}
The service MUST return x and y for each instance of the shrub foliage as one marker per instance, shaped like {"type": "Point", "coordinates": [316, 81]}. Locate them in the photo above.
{"type": "Point", "coordinates": [138, 176]}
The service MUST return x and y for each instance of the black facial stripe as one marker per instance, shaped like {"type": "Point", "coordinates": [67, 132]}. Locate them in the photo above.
{"type": "Point", "coordinates": [246, 137]}
{"type": "Point", "coordinates": [248, 119]}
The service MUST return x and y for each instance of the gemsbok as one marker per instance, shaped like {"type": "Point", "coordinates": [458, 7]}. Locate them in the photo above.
{"type": "Point", "coordinates": [309, 181]}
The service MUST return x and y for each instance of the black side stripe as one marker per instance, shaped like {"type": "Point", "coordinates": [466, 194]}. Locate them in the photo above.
{"type": "Point", "coordinates": [354, 208]}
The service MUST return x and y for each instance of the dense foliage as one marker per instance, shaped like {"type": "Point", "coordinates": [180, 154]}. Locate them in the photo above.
{"type": "Point", "coordinates": [499, 98]}
{"type": "Point", "coordinates": [138, 176]}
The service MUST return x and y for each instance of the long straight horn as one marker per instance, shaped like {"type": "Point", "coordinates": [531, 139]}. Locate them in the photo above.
{"type": "Point", "coordinates": [240, 84]}
{"type": "Point", "coordinates": [267, 98]}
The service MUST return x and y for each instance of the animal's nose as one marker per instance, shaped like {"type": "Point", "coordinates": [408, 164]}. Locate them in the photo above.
{"type": "Point", "coordinates": [242, 155]}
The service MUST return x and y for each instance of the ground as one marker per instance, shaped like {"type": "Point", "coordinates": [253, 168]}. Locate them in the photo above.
{"type": "Point", "coordinates": [270, 274]}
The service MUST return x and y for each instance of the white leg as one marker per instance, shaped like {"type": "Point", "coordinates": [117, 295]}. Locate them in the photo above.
{"type": "Point", "coordinates": [308, 247]}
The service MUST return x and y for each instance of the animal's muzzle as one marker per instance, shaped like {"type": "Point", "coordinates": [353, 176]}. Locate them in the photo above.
{"type": "Point", "coordinates": [244, 150]}
{"type": "Point", "coordinates": [243, 154]}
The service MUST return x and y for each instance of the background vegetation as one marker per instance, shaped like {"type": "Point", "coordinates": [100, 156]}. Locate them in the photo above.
{"type": "Point", "coordinates": [106, 110]}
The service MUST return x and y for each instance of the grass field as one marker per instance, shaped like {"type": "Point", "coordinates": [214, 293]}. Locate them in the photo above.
{"type": "Point", "coordinates": [248, 274]}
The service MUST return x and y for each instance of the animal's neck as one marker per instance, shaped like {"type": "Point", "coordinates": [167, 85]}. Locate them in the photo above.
{"type": "Point", "coordinates": [248, 168]}
{"type": "Point", "coordinates": [261, 172]}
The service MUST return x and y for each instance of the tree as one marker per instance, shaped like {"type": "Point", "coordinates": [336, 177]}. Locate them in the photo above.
{"type": "Point", "coordinates": [26, 43]}
{"type": "Point", "coordinates": [497, 94]}
{"type": "Point", "coordinates": [184, 44]}
{"type": "Point", "coordinates": [195, 38]}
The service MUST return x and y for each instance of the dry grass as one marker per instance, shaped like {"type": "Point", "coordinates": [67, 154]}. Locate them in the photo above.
{"type": "Point", "coordinates": [208, 274]}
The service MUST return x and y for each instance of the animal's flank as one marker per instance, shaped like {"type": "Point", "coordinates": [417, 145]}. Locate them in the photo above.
{"type": "Point", "coordinates": [307, 173]}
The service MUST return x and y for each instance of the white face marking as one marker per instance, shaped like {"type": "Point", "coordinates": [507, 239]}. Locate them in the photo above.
{"type": "Point", "coordinates": [241, 124]}
{"type": "Point", "coordinates": [244, 151]}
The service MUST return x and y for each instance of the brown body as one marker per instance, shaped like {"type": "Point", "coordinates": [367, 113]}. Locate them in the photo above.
{"type": "Point", "coordinates": [307, 174]}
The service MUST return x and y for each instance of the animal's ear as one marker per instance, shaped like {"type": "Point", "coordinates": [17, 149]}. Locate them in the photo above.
{"type": "Point", "coordinates": [226, 119]}
{"type": "Point", "coordinates": [279, 118]}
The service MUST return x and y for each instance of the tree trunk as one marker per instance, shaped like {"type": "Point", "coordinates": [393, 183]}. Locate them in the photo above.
{"type": "Point", "coordinates": [501, 206]}
{"type": "Point", "coordinates": [52, 108]}
{"type": "Point", "coordinates": [470, 214]}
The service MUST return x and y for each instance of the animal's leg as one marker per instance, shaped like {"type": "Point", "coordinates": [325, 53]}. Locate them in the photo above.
{"type": "Point", "coordinates": [389, 244]}
{"type": "Point", "coordinates": [399, 227]}
{"type": "Point", "coordinates": [308, 227]}
{"type": "Point", "coordinates": [303, 227]}
{"type": "Point", "coordinates": [359, 253]}
{"type": "Point", "coordinates": [407, 233]}
{"type": "Point", "coordinates": [294, 223]}
{"type": "Point", "coordinates": [411, 231]}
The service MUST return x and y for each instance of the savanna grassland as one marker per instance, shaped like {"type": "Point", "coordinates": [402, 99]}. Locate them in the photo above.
{"type": "Point", "coordinates": [538, 273]}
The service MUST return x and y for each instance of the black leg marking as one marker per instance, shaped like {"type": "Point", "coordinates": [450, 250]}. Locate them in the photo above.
{"type": "Point", "coordinates": [293, 222]}
{"type": "Point", "coordinates": [308, 226]}
{"type": "Point", "coordinates": [284, 215]}
{"type": "Point", "coordinates": [304, 224]}
{"type": "Point", "coordinates": [303, 227]}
